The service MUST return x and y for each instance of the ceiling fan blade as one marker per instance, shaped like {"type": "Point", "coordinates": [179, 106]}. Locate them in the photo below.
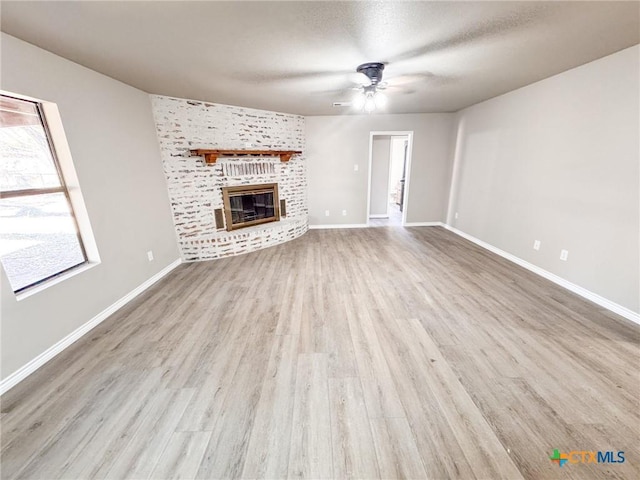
{"type": "Point", "coordinates": [282, 77]}
{"type": "Point", "coordinates": [342, 92]}
{"type": "Point", "coordinates": [391, 89]}
{"type": "Point", "coordinates": [360, 79]}
{"type": "Point", "coordinates": [501, 25]}
{"type": "Point", "coordinates": [410, 78]}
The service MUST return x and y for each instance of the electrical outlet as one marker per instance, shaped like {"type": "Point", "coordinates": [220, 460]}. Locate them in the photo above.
{"type": "Point", "coordinates": [536, 245]}
{"type": "Point", "coordinates": [344, 213]}
{"type": "Point", "coordinates": [456, 216]}
{"type": "Point", "coordinates": [355, 167]}
{"type": "Point", "coordinates": [326, 213]}
{"type": "Point", "coordinates": [150, 255]}
{"type": "Point", "coordinates": [564, 254]}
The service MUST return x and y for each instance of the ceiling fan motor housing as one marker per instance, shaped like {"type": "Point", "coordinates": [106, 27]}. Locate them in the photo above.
{"type": "Point", "coordinates": [373, 71]}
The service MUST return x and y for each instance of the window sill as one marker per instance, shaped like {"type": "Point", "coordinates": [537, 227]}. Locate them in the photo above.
{"type": "Point", "coordinates": [54, 281]}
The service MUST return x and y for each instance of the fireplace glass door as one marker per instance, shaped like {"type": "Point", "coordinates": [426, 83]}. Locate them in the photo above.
{"type": "Point", "coordinates": [247, 205]}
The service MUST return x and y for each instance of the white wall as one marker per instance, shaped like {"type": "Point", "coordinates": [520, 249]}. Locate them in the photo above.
{"type": "Point", "coordinates": [112, 138]}
{"type": "Point", "coordinates": [558, 161]}
{"type": "Point", "coordinates": [336, 143]}
{"type": "Point", "coordinates": [380, 160]}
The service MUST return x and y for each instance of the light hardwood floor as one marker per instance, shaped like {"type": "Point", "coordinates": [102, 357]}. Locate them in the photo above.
{"type": "Point", "coordinates": [393, 220]}
{"type": "Point", "coordinates": [368, 353]}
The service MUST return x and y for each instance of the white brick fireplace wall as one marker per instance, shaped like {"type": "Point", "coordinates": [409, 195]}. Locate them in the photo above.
{"type": "Point", "coordinates": [195, 189]}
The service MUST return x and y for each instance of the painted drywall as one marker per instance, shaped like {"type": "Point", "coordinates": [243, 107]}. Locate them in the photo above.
{"type": "Point", "coordinates": [380, 160]}
{"type": "Point", "coordinates": [558, 161]}
{"type": "Point", "coordinates": [111, 134]}
{"type": "Point", "coordinates": [335, 144]}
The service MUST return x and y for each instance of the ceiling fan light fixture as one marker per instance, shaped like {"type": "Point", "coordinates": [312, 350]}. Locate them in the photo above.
{"type": "Point", "coordinates": [359, 100]}
{"type": "Point", "coordinates": [380, 99]}
{"type": "Point", "coordinates": [369, 104]}
{"type": "Point", "coordinates": [368, 97]}
{"type": "Point", "coordinates": [372, 70]}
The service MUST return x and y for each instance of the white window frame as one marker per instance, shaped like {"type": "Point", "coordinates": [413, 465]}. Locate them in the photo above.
{"type": "Point", "coordinates": [62, 155]}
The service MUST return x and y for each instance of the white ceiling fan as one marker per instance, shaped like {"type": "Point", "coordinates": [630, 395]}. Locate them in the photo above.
{"type": "Point", "coordinates": [369, 87]}
{"type": "Point", "coordinates": [370, 95]}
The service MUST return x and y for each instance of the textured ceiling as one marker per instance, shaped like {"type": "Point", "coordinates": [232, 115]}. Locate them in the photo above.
{"type": "Point", "coordinates": [300, 57]}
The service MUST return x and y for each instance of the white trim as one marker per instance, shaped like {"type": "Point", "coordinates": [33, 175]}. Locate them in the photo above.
{"type": "Point", "coordinates": [339, 225]}
{"type": "Point", "coordinates": [393, 133]}
{"type": "Point", "coordinates": [370, 164]}
{"type": "Point", "coordinates": [388, 197]}
{"type": "Point", "coordinates": [407, 179]}
{"type": "Point", "coordinates": [424, 224]}
{"type": "Point", "coordinates": [68, 171]}
{"type": "Point", "coordinates": [27, 369]}
{"type": "Point", "coordinates": [583, 292]}
{"type": "Point", "coordinates": [55, 280]}
{"type": "Point", "coordinates": [380, 215]}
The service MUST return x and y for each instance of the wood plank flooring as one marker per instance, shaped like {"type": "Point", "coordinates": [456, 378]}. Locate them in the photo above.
{"type": "Point", "coordinates": [361, 353]}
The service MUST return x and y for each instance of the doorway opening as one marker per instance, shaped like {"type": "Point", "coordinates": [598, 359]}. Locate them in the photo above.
{"type": "Point", "coordinates": [389, 168]}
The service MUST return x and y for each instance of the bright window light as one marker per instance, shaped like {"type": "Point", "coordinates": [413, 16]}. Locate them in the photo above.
{"type": "Point", "coordinates": [39, 236]}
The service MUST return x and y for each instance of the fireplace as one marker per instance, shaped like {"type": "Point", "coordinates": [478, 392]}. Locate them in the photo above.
{"type": "Point", "coordinates": [246, 205]}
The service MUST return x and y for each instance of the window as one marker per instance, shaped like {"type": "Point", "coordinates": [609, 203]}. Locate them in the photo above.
{"type": "Point", "coordinates": [39, 236]}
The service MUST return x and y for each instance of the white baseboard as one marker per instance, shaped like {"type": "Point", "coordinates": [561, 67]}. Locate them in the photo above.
{"type": "Point", "coordinates": [26, 370]}
{"type": "Point", "coordinates": [583, 292]}
{"type": "Point", "coordinates": [338, 225]}
{"type": "Point", "coordinates": [423, 224]}
{"type": "Point", "coordinates": [364, 225]}
{"type": "Point", "coordinates": [379, 215]}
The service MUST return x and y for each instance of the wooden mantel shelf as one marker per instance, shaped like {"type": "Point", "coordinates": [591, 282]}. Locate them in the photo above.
{"type": "Point", "coordinates": [210, 156]}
